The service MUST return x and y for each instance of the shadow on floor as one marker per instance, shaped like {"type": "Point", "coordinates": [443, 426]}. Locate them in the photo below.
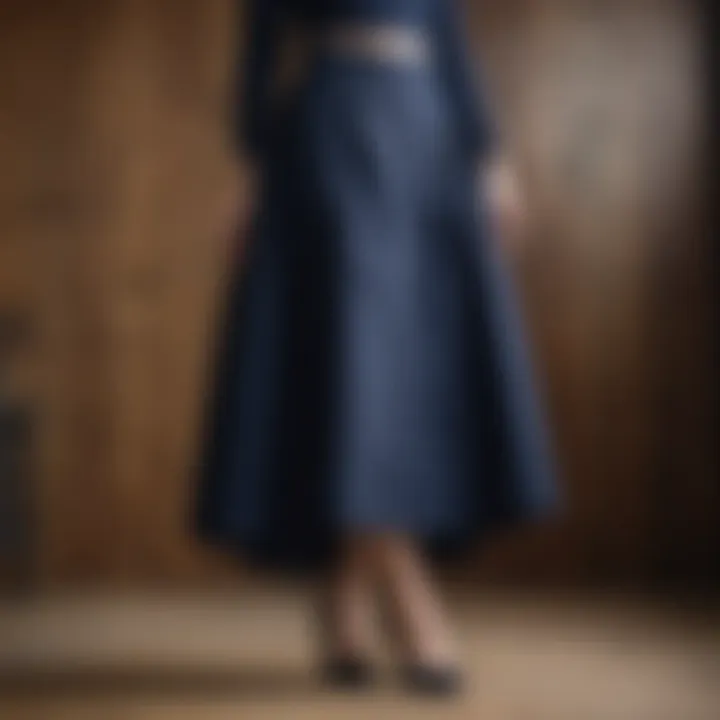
{"type": "Point", "coordinates": [252, 682]}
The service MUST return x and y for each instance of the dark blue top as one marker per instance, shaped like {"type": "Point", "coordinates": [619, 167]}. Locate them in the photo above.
{"type": "Point", "coordinates": [440, 18]}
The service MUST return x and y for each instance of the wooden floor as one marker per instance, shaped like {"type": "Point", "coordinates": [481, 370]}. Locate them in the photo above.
{"type": "Point", "coordinates": [207, 658]}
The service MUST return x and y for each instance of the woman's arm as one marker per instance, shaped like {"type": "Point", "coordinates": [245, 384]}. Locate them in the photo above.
{"type": "Point", "coordinates": [498, 179]}
{"type": "Point", "coordinates": [255, 73]}
{"type": "Point", "coordinates": [251, 100]}
{"type": "Point", "coordinates": [467, 93]}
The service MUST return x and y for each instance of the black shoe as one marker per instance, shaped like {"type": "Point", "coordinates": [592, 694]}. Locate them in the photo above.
{"type": "Point", "coordinates": [348, 673]}
{"type": "Point", "coordinates": [433, 681]}
{"type": "Point", "coordinates": [342, 671]}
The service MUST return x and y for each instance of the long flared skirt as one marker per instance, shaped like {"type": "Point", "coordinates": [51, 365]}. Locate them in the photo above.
{"type": "Point", "coordinates": [371, 372]}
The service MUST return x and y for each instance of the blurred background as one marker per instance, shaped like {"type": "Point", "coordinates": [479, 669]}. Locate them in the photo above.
{"type": "Point", "coordinates": [115, 173]}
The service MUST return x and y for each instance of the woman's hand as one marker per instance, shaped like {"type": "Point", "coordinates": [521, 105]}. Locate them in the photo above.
{"type": "Point", "coordinates": [239, 203]}
{"type": "Point", "coordinates": [505, 199]}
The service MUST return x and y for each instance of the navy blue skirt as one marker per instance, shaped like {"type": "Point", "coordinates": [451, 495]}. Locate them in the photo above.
{"type": "Point", "coordinates": [371, 372]}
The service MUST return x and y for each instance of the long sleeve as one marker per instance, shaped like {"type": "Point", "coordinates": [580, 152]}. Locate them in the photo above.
{"type": "Point", "coordinates": [254, 74]}
{"type": "Point", "coordinates": [463, 82]}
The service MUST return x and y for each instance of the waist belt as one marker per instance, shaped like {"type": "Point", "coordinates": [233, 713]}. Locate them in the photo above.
{"type": "Point", "coordinates": [378, 43]}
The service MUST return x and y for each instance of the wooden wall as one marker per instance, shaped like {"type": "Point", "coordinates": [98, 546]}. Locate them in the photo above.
{"type": "Point", "coordinates": [114, 190]}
